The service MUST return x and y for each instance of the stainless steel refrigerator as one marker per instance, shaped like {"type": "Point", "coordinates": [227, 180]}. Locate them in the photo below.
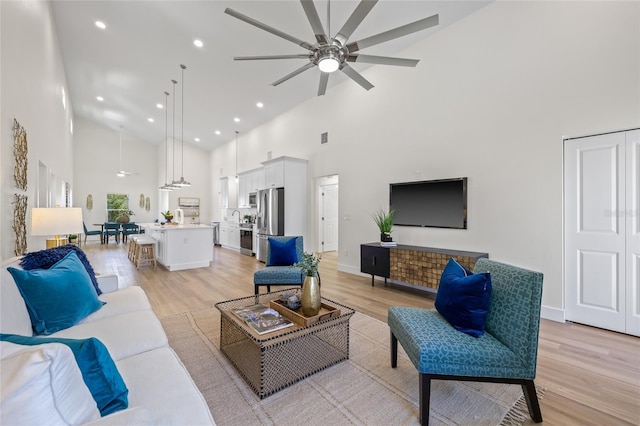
{"type": "Point", "coordinates": [270, 218]}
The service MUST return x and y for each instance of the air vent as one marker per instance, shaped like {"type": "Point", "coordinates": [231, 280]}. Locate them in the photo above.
{"type": "Point", "coordinates": [324, 137]}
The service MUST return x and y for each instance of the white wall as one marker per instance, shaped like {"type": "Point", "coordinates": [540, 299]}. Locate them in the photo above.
{"type": "Point", "coordinates": [31, 85]}
{"type": "Point", "coordinates": [97, 152]}
{"type": "Point", "coordinates": [196, 171]}
{"type": "Point", "coordinates": [491, 99]}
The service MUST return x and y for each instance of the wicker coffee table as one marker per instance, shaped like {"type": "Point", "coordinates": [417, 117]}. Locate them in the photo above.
{"type": "Point", "coordinates": [273, 361]}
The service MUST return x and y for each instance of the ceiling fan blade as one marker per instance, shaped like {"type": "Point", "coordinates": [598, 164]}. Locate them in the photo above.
{"type": "Point", "coordinates": [355, 76]}
{"type": "Point", "coordinates": [267, 28]}
{"type": "Point", "coordinates": [361, 11]}
{"type": "Point", "coordinates": [404, 30]}
{"type": "Point", "coordinates": [324, 79]}
{"type": "Point", "coordinates": [312, 15]}
{"type": "Point", "coordinates": [266, 57]}
{"type": "Point", "coordinates": [383, 60]}
{"type": "Point", "coordinates": [293, 74]}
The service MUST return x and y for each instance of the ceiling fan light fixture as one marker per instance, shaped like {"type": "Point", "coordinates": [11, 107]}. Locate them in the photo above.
{"type": "Point", "coordinates": [329, 64]}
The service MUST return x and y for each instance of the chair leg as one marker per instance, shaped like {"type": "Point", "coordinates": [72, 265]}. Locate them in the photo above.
{"type": "Point", "coordinates": [425, 396]}
{"type": "Point", "coordinates": [394, 350]}
{"type": "Point", "coordinates": [530, 395]}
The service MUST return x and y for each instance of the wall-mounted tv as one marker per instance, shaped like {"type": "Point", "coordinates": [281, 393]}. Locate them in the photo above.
{"type": "Point", "coordinates": [431, 203]}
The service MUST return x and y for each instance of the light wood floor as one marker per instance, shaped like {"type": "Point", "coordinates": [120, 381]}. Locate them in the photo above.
{"type": "Point", "coordinates": [592, 376]}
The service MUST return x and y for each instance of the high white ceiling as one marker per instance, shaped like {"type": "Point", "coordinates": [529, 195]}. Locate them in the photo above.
{"type": "Point", "coordinates": [132, 62]}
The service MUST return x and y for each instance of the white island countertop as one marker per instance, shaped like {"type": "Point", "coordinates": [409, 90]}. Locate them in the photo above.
{"type": "Point", "coordinates": [185, 226]}
{"type": "Point", "coordinates": [181, 247]}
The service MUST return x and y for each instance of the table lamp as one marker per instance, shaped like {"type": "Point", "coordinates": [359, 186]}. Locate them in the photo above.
{"type": "Point", "coordinates": [56, 221]}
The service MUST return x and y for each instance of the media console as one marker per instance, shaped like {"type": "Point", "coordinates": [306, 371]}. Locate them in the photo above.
{"type": "Point", "coordinates": [419, 266]}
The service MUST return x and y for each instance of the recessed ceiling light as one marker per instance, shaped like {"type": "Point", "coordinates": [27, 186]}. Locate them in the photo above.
{"type": "Point", "coordinates": [99, 98]}
{"type": "Point", "coordinates": [259, 104]}
{"type": "Point", "coordinates": [217, 132]}
{"type": "Point", "coordinates": [150, 120]}
{"type": "Point", "coordinates": [198, 43]}
{"type": "Point", "coordinates": [237, 120]}
{"type": "Point", "coordinates": [101, 25]}
{"type": "Point", "coordinates": [197, 139]}
{"type": "Point", "coordinates": [160, 106]}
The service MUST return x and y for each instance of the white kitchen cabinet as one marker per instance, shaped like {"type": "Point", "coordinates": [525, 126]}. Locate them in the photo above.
{"type": "Point", "coordinates": [230, 235]}
{"type": "Point", "coordinates": [228, 192]}
{"type": "Point", "coordinates": [249, 182]}
{"type": "Point", "coordinates": [181, 247]}
{"type": "Point", "coordinates": [274, 174]}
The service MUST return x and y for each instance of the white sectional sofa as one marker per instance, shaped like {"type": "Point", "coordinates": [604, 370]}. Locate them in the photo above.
{"type": "Point", "coordinates": [160, 388]}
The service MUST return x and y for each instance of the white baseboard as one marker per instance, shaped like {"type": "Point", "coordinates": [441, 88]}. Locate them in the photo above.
{"type": "Point", "coordinates": [553, 314]}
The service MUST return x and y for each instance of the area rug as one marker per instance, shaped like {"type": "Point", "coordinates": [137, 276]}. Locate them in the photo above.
{"type": "Point", "coordinates": [363, 390]}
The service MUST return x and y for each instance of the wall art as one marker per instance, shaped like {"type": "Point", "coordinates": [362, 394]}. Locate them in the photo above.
{"type": "Point", "coordinates": [141, 201]}
{"type": "Point", "coordinates": [89, 202]}
{"type": "Point", "coordinates": [147, 204]}
{"type": "Point", "coordinates": [19, 224]}
{"type": "Point", "coordinates": [20, 154]}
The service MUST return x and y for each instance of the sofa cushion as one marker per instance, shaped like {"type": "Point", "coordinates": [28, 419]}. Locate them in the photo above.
{"type": "Point", "coordinates": [45, 259]}
{"type": "Point", "coordinates": [98, 370]}
{"type": "Point", "coordinates": [463, 298]}
{"type": "Point", "coordinates": [14, 317]}
{"type": "Point", "coordinates": [282, 253]}
{"type": "Point", "coordinates": [43, 386]}
{"type": "Point", "coordinates": [130, 299]}
{"type": "Point", "coordinates": [58, 297]}
{"type": "Point", "coordinates": [125, 334]}
{"type": "Point", "coordinates": [159, 381]}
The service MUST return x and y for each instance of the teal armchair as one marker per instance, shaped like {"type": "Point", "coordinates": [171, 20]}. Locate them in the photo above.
{"type": "Point", "coordinates": [506, 353]}
{"type": "Point", "coordinates": [280, 274]}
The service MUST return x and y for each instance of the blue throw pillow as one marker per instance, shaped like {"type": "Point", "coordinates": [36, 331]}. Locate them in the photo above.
{"type": "Point", "coordinates": [99, 372]}
{"type": "Point", "coordinates": [463, 298]}
{"type": "Point", "coordinates": [45, 259]}
{"type": "Point", "coordinates": [58, 297]}
{"type": "Point", "coordinates": [282, 253]}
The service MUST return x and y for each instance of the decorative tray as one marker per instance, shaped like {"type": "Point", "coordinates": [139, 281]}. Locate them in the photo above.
{"type": "Point", "coordinates": [326, 312]}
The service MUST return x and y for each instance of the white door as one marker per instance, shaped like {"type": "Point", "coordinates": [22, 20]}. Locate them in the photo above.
{"type": "Point", "coordinates": [329, 217]}
{"type": "Point", "coordinates": [633, 231]}
{"type": "Point", "coordinates": [601, 287]}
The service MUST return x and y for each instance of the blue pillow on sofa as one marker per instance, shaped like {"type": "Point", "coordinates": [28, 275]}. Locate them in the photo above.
{"type": "Point", "coordinates": [99, 372]}
{"type": "Point", "coordinates": [58, 297]}
{"type": "Point", "coordinates": [45, 259]}
{"type": "Point", "coordinates": [282, 253]}
{"type": "Point", "coordinates": [463, 298]}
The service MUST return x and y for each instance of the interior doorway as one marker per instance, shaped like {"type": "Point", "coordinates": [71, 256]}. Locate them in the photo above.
{"type": "Point", "coordinates": [327, 190]}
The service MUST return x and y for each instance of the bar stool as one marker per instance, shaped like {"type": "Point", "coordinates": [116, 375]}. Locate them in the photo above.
{"type": "Point", "coordinates": [133, 246]}
{"type": "Point", "coordinates": [145, 253]}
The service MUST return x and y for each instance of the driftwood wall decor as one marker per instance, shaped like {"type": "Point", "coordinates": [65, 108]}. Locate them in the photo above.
{"type": "Point", "coordinates": [141, 203]}
{"type": "Point", "coordinates": [89, 202]}
{"type": "Point", "coordinates": [20, 154]}
{"type": "Point", "coordinates": [19, 224]}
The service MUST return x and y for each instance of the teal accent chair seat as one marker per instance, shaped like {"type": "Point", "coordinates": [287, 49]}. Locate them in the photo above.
{"type": "Point", "coordinates": [111, 229]}
{"type": "Point", "coordinates": [283, 274]}
{"type": "Point", "coordinates": [506, 353]}
{"type": "Point", "coordinates": [94, 232]}
{"type": "Point", "coordinates": [129, 228]}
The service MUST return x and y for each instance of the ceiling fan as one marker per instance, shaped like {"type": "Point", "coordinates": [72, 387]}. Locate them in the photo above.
{"type": "Point", "coordinates": [332, 53]}
{"type": "Point", "coordinates": [121, 172]}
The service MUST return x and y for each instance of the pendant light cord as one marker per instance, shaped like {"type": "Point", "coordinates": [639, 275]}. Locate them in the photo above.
{"type": "Point", "coordinates": [173, 137]}
{"type": "Point", "coordinates": [182, 127]}
{"type": "Point", "coordinates": [166, 137]}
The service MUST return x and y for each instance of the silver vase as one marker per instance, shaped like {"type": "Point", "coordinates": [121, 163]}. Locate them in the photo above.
{"type": "Point", "coordinates": [310, 296]}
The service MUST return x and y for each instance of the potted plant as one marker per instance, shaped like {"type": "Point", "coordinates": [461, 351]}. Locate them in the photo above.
{"type": "Point", "coordinates": [384, 220]}
{"type": "Point", "coordinates": [310, 299]}
{"type": "Point", "coordinates": [168, 215]}
{"type": "Point", "coordinates": [73, 238]}
{"type": "Point", "coordinates": [124, 216]}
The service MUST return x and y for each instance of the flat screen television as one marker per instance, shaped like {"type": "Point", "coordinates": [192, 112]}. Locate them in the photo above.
{"type": "Point", "coordinates": [431, 203]}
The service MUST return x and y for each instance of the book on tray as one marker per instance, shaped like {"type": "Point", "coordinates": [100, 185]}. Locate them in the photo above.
{"type": "Point", "coordinates": [262, 319]}
{"type": "Point", "coordinates": [388, 243]}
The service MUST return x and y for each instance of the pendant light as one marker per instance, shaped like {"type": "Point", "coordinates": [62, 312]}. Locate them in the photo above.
{"type": "Point", "coordinates": [166, 186]}
{"type": "Point", "coordinates": [173, 185]}
{"type": "Point", "coordinates": [182, 182]}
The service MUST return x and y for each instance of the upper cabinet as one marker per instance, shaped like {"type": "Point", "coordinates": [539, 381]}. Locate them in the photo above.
{"type": "Point", "coordinates": [274, 174]}
{"type": "Point", "coordinates": [228, 192]}
{"type": "Point", "coordinates": [249, 182]}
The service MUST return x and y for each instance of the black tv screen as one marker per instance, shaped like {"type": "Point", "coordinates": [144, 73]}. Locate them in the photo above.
{"type": "Point", "coordinates": [432, 203]}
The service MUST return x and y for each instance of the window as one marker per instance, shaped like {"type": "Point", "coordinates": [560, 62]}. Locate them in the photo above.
{"type": "Point", "coordinates": [117, 205]}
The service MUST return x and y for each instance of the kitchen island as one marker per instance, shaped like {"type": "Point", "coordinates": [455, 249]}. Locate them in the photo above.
{"type": "Point", "coordinates": [180, 247]}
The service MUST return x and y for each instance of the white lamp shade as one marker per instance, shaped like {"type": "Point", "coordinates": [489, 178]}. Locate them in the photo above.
{"type": "Point", "coordinates": [56, 221]}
